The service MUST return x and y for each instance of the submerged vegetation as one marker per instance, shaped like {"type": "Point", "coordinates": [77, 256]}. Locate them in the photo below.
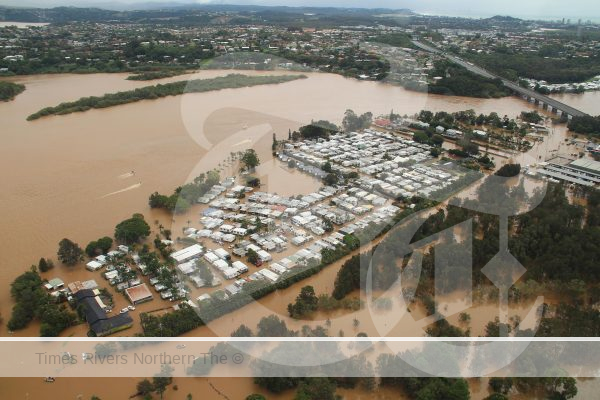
{"type": "Point", "coordinates": [231, 81]}
{"type": "Point", "coordinates": [151, 75]}
{"type": "Point", "coordinates": [9, 90]}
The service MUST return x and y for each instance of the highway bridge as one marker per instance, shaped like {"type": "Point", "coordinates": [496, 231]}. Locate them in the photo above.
{"type": "Point", "coordinates": [545, 102]}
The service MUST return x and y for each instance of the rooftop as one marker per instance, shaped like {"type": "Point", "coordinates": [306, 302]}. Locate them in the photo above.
{"type": "Point", "coordinates": [586, 165]}
{"type": "Point", "coordinates": [138, 294]}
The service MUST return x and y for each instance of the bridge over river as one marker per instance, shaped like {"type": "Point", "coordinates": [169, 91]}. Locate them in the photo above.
{"type": "Point", "coordinates": [545, 102]}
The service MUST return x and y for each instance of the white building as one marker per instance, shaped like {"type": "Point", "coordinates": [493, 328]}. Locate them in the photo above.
{"type": "Point", "coordinates": [187, 254]}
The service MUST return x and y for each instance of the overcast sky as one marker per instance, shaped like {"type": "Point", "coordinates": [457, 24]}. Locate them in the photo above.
{"type": "Point", "coordinates": [476, 8]}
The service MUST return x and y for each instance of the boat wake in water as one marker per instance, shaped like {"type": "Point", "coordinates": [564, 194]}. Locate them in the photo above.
{"type": "Point", "coordinates": [127, 175]}
{"type": "Point", "coordinates": [132, 187]}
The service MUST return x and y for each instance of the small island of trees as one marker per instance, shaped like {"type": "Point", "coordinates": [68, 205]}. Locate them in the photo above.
{"type": "Point", "coordinates": [9, 90]}
{"type": "Point", "coordinates": [231, 81]}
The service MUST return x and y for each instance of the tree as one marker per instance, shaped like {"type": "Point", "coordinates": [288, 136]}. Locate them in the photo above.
{"type": "Point", "coordinates": [437, 140]}
{"type": "Point", "coordinates": [532, 117]}
{"type": "Point", "coordinates": [327, 167]}
{"type": "Point", "coordinates": [426, 116]}
{"type": "Point", "coordinates": [252, 257]}
{"type": "Point", "coordinates": [306, 302]}
{"type": "Point", "coordinates": [320, 129]}
{"type": "Point", "coordinates": [509, 170]}
{"type": "Point", "coordinates": [352, 122]}
{"type": "Point", "coordinates": [501, 385]}
{"type": "Point", "coordinates": [420, 137]}
{"type": "Point", "coordinates": [331, 179]}
{"type": "Point", "coordinates": [316, 389]}
{"type": "Point", "coordinates": [242, 331]}
{"type": "Point", "coordinates": [145, 387]}
{"type": "Point", "coordinates": [327, 225]}
{"type": "Point", "coordinates": [8, 90]}
{"type": "Point", "coordinates": [272, 326]}
{"type": "Point", "coordinates": [205, 273]}
{"type": "Point", "coordinates": [45, 265]}
{"type": "Point", "coordinates": [496, 396]}
{"type": "Point", "coordinates": [495, 328]}
{"type": "Point", "coordinates": [256, 397]}
{"type": "Point", "coordinates": [469, 147]}
{"type": "Point", "coordinates": [100, 246]}
{"type": "Point", "coordinates": [250, 159]}
{"type": "Point", "coordinates": [163, 379]}
{"type": "Point", "coordinates": [132, 230]}
{"type": "Point", "coordinates": [69, 252]}
{"type": "Point", "coordinates": [27, 292]}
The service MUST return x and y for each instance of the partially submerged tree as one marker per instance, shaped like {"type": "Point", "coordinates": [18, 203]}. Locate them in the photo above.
{"type": "Point", "coordinates": [69, 252]}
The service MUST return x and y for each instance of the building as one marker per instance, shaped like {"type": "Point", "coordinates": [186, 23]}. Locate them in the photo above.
{"type": "Point", "coordinates": [76, 286]}
{"type": "Point", "coordinates": [95, 314]}
{"type": "Point", "coordinates": [187, 254]}
{"type": "Point", "coordinates": [582, 172]}
{"type": "Point", "coordinates": [93, 265]}
{"type": "Point", "coordinates": [187, 268]}
{"type": "Point", "coordinates": [138, 294]}
{"type": "Point", "coordinates": [54, 284]}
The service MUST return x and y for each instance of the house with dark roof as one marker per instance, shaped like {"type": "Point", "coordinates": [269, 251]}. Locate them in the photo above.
{"type": "Point", "coordinates": [94, 311]}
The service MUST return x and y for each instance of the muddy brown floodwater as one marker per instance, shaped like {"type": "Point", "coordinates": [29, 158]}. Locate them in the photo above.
{"type": "Point", "coordinates": [588, 102]}
{"type": "Point", "coordinates": [70, 176]}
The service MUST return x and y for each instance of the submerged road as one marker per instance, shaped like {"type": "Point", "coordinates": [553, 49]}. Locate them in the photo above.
{"type": "Point", "coordinates": [552, 104]}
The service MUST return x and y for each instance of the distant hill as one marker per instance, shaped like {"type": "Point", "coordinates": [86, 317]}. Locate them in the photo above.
{"type": "Point", "coordinates": [504, 18]}
{"type": "Point", "coordinates": [147, 12]}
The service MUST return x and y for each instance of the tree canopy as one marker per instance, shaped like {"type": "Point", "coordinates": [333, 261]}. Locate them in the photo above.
{"type": "Point", "coordinates": [69, 252]}
{"type": "Point", "coordinates": [353, 122]}
{"type": "Point", "coordinates": [250, 159]}
{"type": "Point", "coordinates": [132, 230]}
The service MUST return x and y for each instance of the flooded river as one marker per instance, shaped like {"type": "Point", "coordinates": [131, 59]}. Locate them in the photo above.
{"type": "Point", "coordinates": [588, 102]}
{"type": "Point", "coordinates": [78, 175]}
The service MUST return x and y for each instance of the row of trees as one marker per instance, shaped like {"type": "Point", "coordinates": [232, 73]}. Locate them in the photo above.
{"type": "Point", "coordinates": [554, 388]}
{"type": "Point", "coordinates": [231, 81]}
{"type": "Point", "coordinates": [466, 117]}
{"type": "Point", "coordinates": [184, 196]}
{"type": "Point", "coordinates": [353, 122]}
